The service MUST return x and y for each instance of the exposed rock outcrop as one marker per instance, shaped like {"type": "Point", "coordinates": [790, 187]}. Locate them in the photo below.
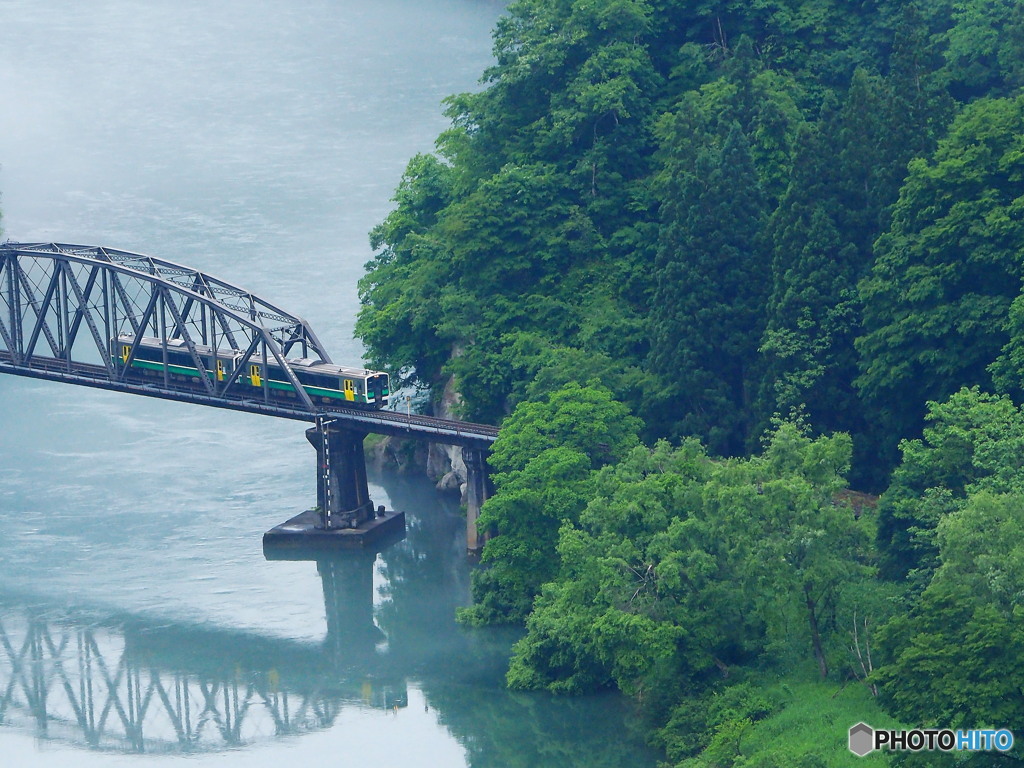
{"type": "Point", "coordinates": [443, 463]}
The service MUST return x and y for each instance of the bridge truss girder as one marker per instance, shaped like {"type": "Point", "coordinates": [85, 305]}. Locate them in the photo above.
{"type": "Point", "coordinates": [70, 303]}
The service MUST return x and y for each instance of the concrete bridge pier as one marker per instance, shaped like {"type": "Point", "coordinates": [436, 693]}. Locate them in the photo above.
{"type": "Point", "coordinates": [478, 490]}
{"type": "Point", "coordinates": [344, 516]}
{"type": "Point", "coordinates": [342, 495]}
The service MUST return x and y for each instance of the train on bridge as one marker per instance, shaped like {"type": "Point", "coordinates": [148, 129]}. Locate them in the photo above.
{"type": "Point", "coordinates": [323, 382]}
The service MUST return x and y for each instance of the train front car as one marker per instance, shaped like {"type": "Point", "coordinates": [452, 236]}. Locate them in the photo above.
{"type": "Point", "coordinates": [334, 385]}
{"type": "Point", "coordinates": [378, 388]}
{"type": "Point", "coordinates": [360, 388]}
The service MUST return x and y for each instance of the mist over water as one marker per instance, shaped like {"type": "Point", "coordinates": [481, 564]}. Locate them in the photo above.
{"type": "Point", "coordinates": [139, 619]}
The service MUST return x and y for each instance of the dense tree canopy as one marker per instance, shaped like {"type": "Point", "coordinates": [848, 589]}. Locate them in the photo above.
{"type": "Point", "coordinates": [937, 301]}
{"type": "Point", "coordinates": [715, 559]}
{"type": "Point", "coordinates": [681, 198]}
{"type": "Point", "coordinates": [545, 459]}
{"type": "Point", "coordinates": [959, 653]}
{"type": "Point", "coordinates": [787, 233]}
{"type": "Point", "coordinates": [709, 290]}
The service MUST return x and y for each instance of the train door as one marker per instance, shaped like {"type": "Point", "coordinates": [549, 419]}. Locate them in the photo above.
{"type": "Point", "coordinates": [349, 389]}
{"type": "Point", "coordinates": [254, 375]}
{"type": "Point", "coordinates": [220, 370]}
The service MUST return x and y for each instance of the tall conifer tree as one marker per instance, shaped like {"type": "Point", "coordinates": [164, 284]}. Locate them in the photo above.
{"type": "Point", "coordinates": [711, 277]}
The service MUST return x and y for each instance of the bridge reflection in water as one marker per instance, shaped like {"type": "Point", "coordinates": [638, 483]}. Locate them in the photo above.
{"type": "Point", "coordinates": [126, 685]}
{"type": "Point", "coordinates": [129, 684]}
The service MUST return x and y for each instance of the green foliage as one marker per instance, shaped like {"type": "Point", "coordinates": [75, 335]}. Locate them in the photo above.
{"type": "Point", "coordinates": [606, 575]}
{"type": "Point", "coordinates": [768, 722]}
{"type": "Point", "coordinates": [401, 290]}
{"type": "Point", "coordinates": [538, 185]}
{"type": "Point", "coordinates": [679, 570]}
{"type": "Point", "coordinates": [547, 367]}
{"type": "Point", "coordinates": [846, 176]}
{"type": "Point", "coordinates": [583, 418]}
{"type": "Point", "coordinates": [982, 548]}
{"type": "Point", "coordinates": [544, 459]}
{"type": "Point", "coordinates": [937, 301]}
{"type": "Point", "coordinates": [678, 197]}
{"type": "Point", "coordinates": [813, 308]}
{"type": "Point", "coordinates": [953, 521]}
{"type": "Point", "coordinates": [973, 442]}
{"type": "Point", "coordinates": [958, 657]}
{"type": "Point", "coordinates": [983, 49]}
{"type": "Point", "coordinates": [718, 216]}
{"type": "Point", "coordinates": [709, 294]}
{"type": "Point", "coordinates": [526, 512]}
{"type": "Point", "coordinates": [718, 720]}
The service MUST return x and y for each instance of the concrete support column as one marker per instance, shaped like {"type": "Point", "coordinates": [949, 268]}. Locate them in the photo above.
{"type": "Point", "coordinates": [342, 496]}
{"type": "Point", "coordinates": [478, 490]}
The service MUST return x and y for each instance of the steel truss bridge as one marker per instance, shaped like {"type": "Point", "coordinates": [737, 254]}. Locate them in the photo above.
{"type": "Point", "coordinates": [78, 314]}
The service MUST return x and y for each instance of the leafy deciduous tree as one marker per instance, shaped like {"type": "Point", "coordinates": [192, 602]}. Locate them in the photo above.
{"type": "Point", "coordinates": [937, 300]}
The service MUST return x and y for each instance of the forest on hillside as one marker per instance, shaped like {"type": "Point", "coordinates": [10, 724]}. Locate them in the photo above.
{"type": "Point", "coordinates": [712, 265]}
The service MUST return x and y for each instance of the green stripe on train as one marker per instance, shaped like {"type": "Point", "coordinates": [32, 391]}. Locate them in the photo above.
{"type": "Point", "coordinates": [284, 386]}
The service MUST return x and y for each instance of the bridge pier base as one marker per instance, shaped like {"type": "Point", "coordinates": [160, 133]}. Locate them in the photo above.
{"type": "Point", "coordinates": [344, 517]}
{"type": "Point", "coordinates": [342, 495]}
{"type": "Point", "coordinates": [478, 490]}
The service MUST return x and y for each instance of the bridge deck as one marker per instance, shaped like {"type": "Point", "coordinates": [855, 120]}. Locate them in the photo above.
{"type": "Point", "coordinates": [414, 426]}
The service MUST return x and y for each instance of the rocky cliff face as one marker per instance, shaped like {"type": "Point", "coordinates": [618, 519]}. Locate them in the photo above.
{"type": "Point", "coordinates": [442, 463]}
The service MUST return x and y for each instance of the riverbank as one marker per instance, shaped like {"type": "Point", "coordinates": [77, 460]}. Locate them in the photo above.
{"type": "Point", "coordinates": [770, 720]}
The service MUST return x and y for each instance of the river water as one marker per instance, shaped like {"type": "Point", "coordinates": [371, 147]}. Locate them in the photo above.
{"type": "Point", "coordinates": [140, 621]}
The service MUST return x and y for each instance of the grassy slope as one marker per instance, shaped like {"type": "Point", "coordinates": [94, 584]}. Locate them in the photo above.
{"type": "Point", "coordinates": [809, 727]}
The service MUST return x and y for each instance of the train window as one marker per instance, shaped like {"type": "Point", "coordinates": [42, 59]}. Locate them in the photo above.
{"type": "Point", "coordinates": [320, 381]}
{"type": "Point", "coordinates": [144, 353]}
